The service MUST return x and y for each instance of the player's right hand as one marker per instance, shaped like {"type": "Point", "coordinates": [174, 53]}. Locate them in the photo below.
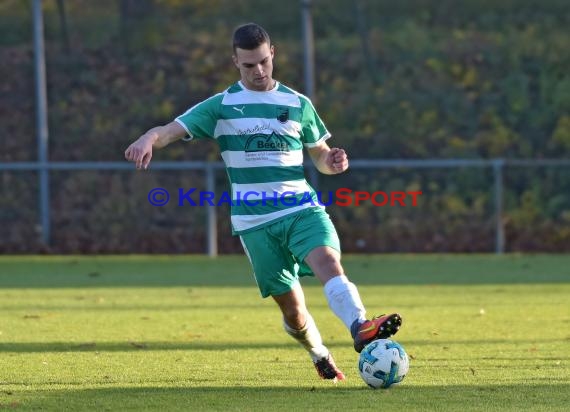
{"type": "Point", "coordinates": [140, 152]}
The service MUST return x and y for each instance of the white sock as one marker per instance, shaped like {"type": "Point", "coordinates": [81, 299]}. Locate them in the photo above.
{"type": "Point", "coordinates": [309, 337]}
{"type": "Point", "coordinates": [344, 300]}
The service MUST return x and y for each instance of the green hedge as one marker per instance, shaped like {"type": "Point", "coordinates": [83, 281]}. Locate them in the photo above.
{"type": "Point", "coordinates": [408, 79]}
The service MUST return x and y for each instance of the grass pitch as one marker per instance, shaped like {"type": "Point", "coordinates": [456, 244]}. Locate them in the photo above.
{"type": "Point", "coordinates": [168, 333]}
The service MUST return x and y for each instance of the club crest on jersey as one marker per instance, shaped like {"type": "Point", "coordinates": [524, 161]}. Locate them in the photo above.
{"type": "Point", "coordinates": [266, 142]}
{"type": "Point", "coordinates": [282, 114]}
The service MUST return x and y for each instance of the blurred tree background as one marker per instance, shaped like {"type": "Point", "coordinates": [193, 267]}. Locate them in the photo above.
{"type": "Point", "coordinates": [412, 79]}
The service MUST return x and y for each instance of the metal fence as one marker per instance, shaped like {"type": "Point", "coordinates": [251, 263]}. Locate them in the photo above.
{"type": "Point", "coordinates": [497, 166]}
{"type": "Point", "coordinates": [45, 169]}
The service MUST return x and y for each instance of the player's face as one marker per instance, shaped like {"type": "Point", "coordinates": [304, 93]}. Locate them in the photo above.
{"type": "Point", "coordinates": [255, 67]}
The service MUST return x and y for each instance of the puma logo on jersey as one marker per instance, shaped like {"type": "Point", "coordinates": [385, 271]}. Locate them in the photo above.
{"type": "Point", "coordinates": [237, 109]}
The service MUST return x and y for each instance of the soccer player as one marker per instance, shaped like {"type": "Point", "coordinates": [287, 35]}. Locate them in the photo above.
{"type": "Point", "coordinates": [262, 127]}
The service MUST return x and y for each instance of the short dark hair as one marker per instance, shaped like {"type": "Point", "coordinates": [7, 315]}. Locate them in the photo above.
{"type": "Point", "coordinates": [249, 37]}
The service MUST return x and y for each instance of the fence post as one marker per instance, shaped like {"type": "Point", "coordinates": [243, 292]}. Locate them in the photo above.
{"type": "Point", "coordinates": [212, 224]}
{"type": "Point", "coordinates": [308, 49]}
{"type": "Point", "coordinates": [498, 165]}
{"type": "Point", "coordinates": [41, 121]}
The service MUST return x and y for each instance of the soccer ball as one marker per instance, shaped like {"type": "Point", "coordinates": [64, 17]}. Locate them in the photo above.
{"type": "Point", "coordinates": [383, 363]}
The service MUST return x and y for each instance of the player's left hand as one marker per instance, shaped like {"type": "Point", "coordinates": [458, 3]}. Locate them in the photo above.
{"type": "Point", "coordinates": [337, 160]}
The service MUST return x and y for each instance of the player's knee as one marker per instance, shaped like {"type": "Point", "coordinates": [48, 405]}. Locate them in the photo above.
{"type": "Point", "coordinates": [294, 317]}
{"type": "Point", "coordinates": [324, 256]}
{"type": "Point", "coordinates": [325, 262]}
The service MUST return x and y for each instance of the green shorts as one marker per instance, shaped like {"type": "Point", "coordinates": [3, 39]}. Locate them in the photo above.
{"type": "Point", "coordinates": [277, 251]}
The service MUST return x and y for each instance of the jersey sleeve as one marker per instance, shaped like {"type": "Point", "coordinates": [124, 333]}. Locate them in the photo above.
{"type": "Point", "coordinates": [313, 130]}
{"type": "Point", "coordinates": [200, 120]}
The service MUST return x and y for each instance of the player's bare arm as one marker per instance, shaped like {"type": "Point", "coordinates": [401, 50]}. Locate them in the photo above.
{"type": "Point", "coordinates": [329, 161]}
{"type": "Point", "coordinates": [158, 137]}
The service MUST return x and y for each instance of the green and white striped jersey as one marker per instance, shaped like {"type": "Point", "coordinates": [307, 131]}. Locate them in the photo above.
{"type": "Point", "coordinates": [261, 137]}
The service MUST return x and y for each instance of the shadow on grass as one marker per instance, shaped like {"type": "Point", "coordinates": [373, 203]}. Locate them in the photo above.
{"type": "Point", "coordinates": [322, 396]}
{"type": "Point", "coordinates": [39, 347]}
{"type": "Point", "coordinates": [234, 271]}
